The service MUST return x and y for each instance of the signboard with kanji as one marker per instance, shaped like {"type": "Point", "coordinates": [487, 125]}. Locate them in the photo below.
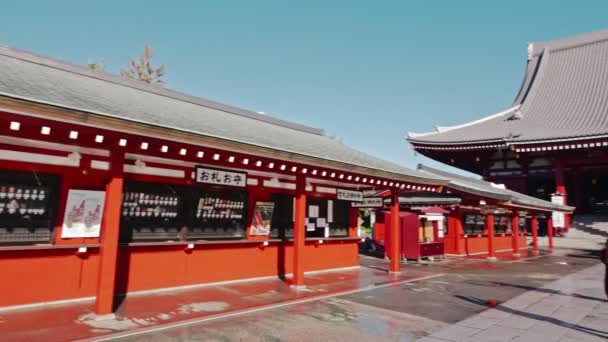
{"type": "Point", "coordinates": [206, 175]}
{"type": "Point", "coordinates": [349, 195]}
{"type": "Point", "coordinates": [369, 202]}
{"type": "Point", "coordinates": [559, 218]}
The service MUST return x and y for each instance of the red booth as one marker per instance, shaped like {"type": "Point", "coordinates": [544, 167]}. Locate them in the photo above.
{"type": "Point", "coordinates": [422, 235]}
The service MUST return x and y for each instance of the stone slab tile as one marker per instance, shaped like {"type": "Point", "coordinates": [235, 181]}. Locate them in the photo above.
{"type": "Point", "coordinates": [455, 333]}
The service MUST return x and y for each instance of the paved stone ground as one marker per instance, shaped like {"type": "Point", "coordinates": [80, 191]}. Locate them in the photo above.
{"type": "Point", "coordinates": [571, 309]}
{"type": "Point", "coordinates": [413, 310]}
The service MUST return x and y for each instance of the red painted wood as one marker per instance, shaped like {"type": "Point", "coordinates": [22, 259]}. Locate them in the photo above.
{"type": "Point", "coordinates": [515, 230]}
{"type": "Point", "coordinates": [299, 231]}
{"type": "Point", "coordinates": [490, 229]}
{"type": "Point", "coordinates": [395, 241]}
{"type": "Point", "coordinates": [109, 238]}
{"type": "Point", "coordinates": [353, 222]}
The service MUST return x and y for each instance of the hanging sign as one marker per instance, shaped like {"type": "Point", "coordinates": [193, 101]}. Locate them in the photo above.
{"type": "Point", "coordinates": [369, 202]}
{"type": "Point", "coordinates": [559, 219]}
{"type": "Point", "coordinates": [213, 176]}
{"type": "Point", "coordinates": [262, 218]}
{"type": "Point", "coordinates": [83, 213]}
{"type": "Point", "coordinates": [349, 195]}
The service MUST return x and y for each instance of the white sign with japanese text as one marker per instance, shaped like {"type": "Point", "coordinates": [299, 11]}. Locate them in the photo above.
{"type": "Point", "coordinates": [559, 219]}
{"type": "Point", "coordinates": [369, 202]}
{"type": "Point", "coordinates": [349, 195]}
{"type": "Point", "coordinates": [213, 176]}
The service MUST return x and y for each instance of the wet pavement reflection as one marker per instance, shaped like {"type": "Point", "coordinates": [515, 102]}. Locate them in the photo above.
{"type": "Point", "coordinates": [402, 312]}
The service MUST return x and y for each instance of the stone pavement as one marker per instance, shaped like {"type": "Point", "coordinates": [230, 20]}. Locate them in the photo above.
{"type": "Point", "coordinates": [573, 308]}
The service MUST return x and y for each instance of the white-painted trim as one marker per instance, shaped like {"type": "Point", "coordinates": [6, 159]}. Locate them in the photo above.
{"type": "Point", "coordinates": [326, 190]}
{"type": "Point", "coordinates": [53, 146]}
{"type": "Point", "coordinates": [338, 184]}
{"type": "Point", "coordinates": [49, 303]}
{"type": "Point", "coordinates": [478, 253]}
{"type": "Point", "coordinates": [279, 185]}
{"type": "Point", "coordinates": [456, 255]}
{"type": "Point", "coordinates": [342, 166]}
{"type": "Point", "coordinates": [38, 158]}
{"type": "Point", "coordinates": [100, 165]}
{"type": "Point", "coordinates": [166, 289]}
{"type": "Point", "coordinates": [252, 181]}
{"type": "Point", "coordinates": [503, 250]}
{"type": "Point", "coordinates": [228, 282]}
{"type": "Point", "coordinates": [156, 171]}
{"type": "Point", "coordinates": [182, 163]}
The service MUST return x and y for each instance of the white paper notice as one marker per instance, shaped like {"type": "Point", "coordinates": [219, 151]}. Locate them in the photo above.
{"type": "Point", "coordinates": [310, 227]}
{"type": "Point", "coordinates": [321, 223]}
{"type": "Point", "coordinates": [330, 211]}
{"type": "Point", "coordinates": [83, 214]}
{"type": "Point", "coordinates": [313, 211]}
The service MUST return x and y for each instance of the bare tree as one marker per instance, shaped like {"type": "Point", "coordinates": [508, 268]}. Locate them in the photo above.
{"type": "Point", "coordinates": [97, 64]}
{"type": "Point", "coordinates": [143, 70]}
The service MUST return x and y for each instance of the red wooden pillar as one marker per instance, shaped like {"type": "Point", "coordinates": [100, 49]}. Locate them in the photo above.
{"type": "Point", "coordinates": [395, 232]}
{"type": "Point", "coordinates": [515, 233]}
{"type": "Point", "coordinates": [550, 232]}
{"type": "Point", "coordinates": [108, 247]}
{"type": "Point", "coordinates": [490, 228]}
{"type": "Point", "coordinates": [535, 233]}
{"type": "Point", "coordinates": [353, 222]}
{"type": "Point", "coordinates": [456, 231]}
{"type": "Point", "coordinates": [299, 231]}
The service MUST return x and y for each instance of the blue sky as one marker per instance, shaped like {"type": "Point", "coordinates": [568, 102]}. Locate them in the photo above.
{"type": "Point", "coordinates": [366, 71]}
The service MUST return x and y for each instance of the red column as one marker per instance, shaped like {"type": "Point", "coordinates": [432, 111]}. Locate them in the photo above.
{"type": "Point", "coordinates": [535, 233]}
{"type": "Point", "coordinates": [515, 231]}
{"type": "Point", "coordinates": [490, 228]}
{"type": "Point", "coordinates": [108, 247]}
{"type": "Point", "coordinates": [459, 233]}
{"type": "Point", "coordinates": [395, 232]}
{"type": "Point", "coordinates": [550, 232]}
{"type": "Point", "coordinates": [299, 231]}
{"type": "Point", "coordinates": [353, 222]}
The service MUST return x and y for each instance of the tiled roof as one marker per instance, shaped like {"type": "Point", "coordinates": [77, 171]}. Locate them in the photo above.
{"type": "Point", "coordinates": [39, 79]}
{"type": "Point", "coordinates": [564, 95]}
{"type": "Point", "coordinates": [489, 190]}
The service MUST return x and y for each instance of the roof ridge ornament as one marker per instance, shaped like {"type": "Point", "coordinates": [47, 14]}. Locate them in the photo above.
{"type": "Point", "coordinates": [517, 115]}
{"type": "Point", "coordinates": [530, 50]}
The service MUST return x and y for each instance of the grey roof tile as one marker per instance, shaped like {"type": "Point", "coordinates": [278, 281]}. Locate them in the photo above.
{"type": "Point", "coordinates": [40, 79]}
{"type": "Point", "coordinates": [564, 95]}
{"type": "Point", "coordinates": [487, 189]}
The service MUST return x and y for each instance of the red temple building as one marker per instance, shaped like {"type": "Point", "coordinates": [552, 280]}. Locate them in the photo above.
{"type": "Point", "coordinates": [111, 186]}
{"type": "Point", "coordinates": [469, 217]}
{"type": "Point", "coordinates": [554, 136]}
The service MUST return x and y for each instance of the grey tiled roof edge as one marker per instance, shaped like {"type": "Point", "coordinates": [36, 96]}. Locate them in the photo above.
{"type": "Point", "coordinates": [154, 89]}
{"type": "Point", "coordinates": [563, 96]}
{"type": "Point", "coordinates": [34, 78]}
{"type": "Point", "coordinates": [486, 189]}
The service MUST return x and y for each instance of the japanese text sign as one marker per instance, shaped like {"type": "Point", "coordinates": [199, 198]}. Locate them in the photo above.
{"type": "Point", "coordinates": [349, 195]}
{"type": "Point", "coordinates": [207, 175]}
